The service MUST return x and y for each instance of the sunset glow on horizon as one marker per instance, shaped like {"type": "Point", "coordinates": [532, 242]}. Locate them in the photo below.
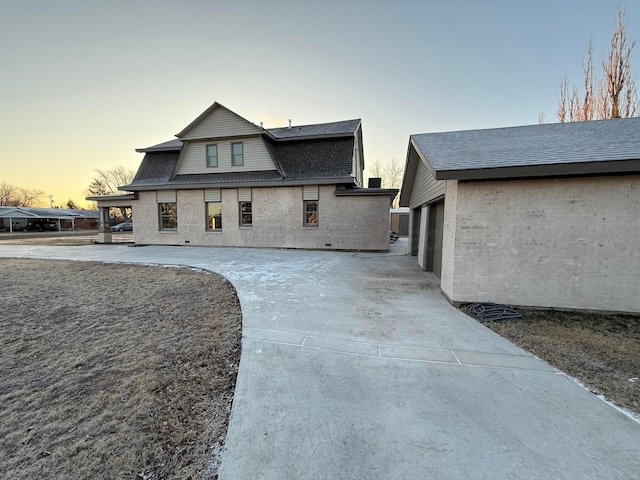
{"type": "Point", "coordinates": [85, 83]}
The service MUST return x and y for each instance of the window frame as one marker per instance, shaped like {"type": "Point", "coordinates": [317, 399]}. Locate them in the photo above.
{"type": "Point", "coordinates": [161, 217]}
{"type": "Point", "coordinates": [233, 154]}
{"type": "Point", "coordinates": [209, 217]}
{"type": "Point", "coordinates": [209, 157]}
{"type": "Point", "coordinates": [306, 212]}
{"type": "Point", "coordinates": [243, 214]}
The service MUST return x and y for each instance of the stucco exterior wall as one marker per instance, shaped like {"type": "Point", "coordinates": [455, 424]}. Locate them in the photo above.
{"type": "Point", "coordinates": [345, 222]}
{"type": "Point", "coordinates": [564, 243]}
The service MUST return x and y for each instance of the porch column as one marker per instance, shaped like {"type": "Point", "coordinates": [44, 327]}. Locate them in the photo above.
{"type": "Point", "coordinates": [104, 229]}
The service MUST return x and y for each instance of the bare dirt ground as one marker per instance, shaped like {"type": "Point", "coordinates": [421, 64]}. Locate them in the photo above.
{"type": "Point", "coordinates": [114, 370]}
{"type": "Point", "coordinates": [68, 238]}
{"type": "Point", "coordinates": [600, 350]}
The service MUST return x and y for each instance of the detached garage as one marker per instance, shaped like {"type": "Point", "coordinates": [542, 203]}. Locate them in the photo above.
{"type": "Point", "coordinates": [542, 215]}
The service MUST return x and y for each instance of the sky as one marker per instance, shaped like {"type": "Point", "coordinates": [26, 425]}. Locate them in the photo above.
{"type": "Point", "coordinates": [84, 83]}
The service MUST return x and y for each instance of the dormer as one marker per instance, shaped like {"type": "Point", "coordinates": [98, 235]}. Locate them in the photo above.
{"type": "Point", "coordinates": [220, 141]}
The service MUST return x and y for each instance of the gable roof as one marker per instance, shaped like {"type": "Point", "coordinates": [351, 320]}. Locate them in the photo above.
{"type": "Point", "coordinates": [302, 154]}
{"type": "Point", "coordinates": [344, 128]}
{"type": "Point", "coordinates": [560, 149]}
{"type": "Point", "coordinates": [327, 160]}
{"type": "Point", "coordinates": [208, 112]}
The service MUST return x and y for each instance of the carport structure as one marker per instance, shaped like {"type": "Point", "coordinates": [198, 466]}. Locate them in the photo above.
{"type": "Point", "coordinates": [105, 203]}
{"type": "Point", "coordinates": [18, 218]}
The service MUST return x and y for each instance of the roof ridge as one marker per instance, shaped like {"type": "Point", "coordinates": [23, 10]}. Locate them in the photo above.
{"type": "Point", "coordinates": [531, 126]}
{"type": "Point", "coordinates": [314, 124]}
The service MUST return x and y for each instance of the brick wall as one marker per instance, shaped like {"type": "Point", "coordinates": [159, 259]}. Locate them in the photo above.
{"type": "Point", "coordinates": [566, 243]}
{"type": "Point", "coordinates": [345, 223]}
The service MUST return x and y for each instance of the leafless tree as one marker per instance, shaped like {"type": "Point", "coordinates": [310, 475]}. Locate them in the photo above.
{"type": "Point", "coordinates": [19, 196]}
{"type": "Point", "coordinates": [612, 96]}
{"type": "Point", "coordinates": [391, 175]}
{"type": "Point", "coordinates": [563, 99]}
{"type": "Point", "coordinates": [617, 68]}
{"type": "Point", "coordinates": [106, 182]}
{"type": "Point", "coordinates": [376, 169]}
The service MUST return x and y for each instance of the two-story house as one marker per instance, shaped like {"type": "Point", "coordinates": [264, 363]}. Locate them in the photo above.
{"type": "Point", "coordinates": [228, 182]}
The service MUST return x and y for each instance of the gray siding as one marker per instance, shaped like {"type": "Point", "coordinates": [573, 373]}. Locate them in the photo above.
{"type": "Point", "coordinates": [425, 187]}
{"type": "Point", "coordinates": [221, 123]}
{"type": "Point", "coordinates": [256, 157]}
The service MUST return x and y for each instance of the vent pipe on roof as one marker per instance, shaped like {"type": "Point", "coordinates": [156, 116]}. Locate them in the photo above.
{"type": "Point", "coordinates": [261, 125]}
{"type": "Point", "coordinates": [289, 123]}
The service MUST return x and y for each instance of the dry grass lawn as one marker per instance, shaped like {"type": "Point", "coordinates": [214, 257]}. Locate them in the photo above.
{"type": "Point", "coordinates": [602, 351]}
{"type": "Point", "coordinates": [114, 371]}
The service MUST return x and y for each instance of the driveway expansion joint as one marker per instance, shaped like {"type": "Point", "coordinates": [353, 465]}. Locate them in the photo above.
{"type": "Point", "coordinates": [399, 352]}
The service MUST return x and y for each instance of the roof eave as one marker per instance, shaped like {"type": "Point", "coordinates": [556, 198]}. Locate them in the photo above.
{"type": "Point", "coordinates": [96, 198]}
{"type": "Point", "coordinates": [166, 149]}
{"type": "Point", "coordinates": [552, 170]}
{"type": "Point", "coordinates": [411, 169]}
{"type": "Point", "coordinates": [354, 192]}
{"type": "Point", "coordinates": [257, 183]}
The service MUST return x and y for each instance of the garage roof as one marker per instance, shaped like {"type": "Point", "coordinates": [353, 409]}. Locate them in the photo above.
{"type": "Point", "coordinates": [575, 148]}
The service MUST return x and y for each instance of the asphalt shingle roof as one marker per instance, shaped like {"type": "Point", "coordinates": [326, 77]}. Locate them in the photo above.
{"type": "Point", "coordinates": [156, 169]}
{"type": "Point", "coordinates": [223, 178]}
{"type": "Point", "coordinates": [344, 127]}
{"type": "Point", "coordinates": [532, 145]}
{"type": "Point", "coordinates": [316, 159]}
{"type": "Point", "coordinates": [308, 152]}
{"type": "Point", "coordinates": [169, 145]}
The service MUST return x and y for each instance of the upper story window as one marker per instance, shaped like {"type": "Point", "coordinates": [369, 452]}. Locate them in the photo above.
{"type": "Point", "coordinates": [212, 155]}
{"type": "Point", "coordinates": [237, 154]}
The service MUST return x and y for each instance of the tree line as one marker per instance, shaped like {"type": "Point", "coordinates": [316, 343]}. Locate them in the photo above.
{"type": "Point", "coordinates": [106, 182]}
{"type": "Point", "coordinates": [611, 95]}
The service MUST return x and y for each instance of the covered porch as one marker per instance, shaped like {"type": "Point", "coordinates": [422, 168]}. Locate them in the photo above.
{"type": "Point", "coordinates": [105, 203]}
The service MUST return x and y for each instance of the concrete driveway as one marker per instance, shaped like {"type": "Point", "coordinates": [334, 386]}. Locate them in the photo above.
{"type": "Point", "coordinates": [355, 367]}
